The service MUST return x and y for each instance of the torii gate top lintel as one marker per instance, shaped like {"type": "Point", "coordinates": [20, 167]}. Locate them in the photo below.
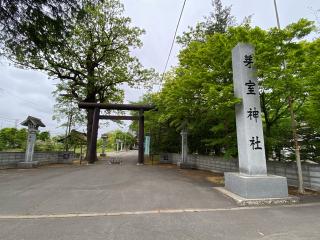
{"type": "Point", "coordinates": [115, 106]}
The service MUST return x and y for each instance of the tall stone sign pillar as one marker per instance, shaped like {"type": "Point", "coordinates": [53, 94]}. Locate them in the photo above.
{"type": "Point", "coordinates": [252, 181]}
{"type": "Point", "coordinates": [33, 124]}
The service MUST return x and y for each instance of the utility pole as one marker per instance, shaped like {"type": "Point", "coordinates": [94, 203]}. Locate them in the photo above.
{"type": "Point", "coordinates": [293, 123]}
{"type": "Point", "coordinates": [277, 15]}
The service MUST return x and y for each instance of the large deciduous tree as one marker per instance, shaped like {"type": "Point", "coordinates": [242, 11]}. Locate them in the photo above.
{"type": "Point", "coordinates": [217, 22]}
{"type": "Point", "coordinates": [91, 53]}
{"type": "Point", "coordinates": [35, 23]}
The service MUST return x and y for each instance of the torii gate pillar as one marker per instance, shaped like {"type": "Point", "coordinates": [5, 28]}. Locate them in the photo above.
{"type": "Point", "coordinates": [141, 138]}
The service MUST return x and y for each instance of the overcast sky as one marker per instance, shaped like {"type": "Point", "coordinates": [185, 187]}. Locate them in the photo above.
{"type": "Point", "coordinates": [26, 92]}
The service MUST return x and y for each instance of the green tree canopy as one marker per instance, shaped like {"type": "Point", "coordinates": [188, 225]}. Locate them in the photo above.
{"type": "Point", "coordinates": [127, 138]}
{"type": "Point", "coordinates": [13, 138]}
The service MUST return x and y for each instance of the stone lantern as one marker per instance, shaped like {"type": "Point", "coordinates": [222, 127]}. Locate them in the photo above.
{"type": "Point", "coordinates": [183, 163]}
{"type": "Point", "coordinates": [33, 124]}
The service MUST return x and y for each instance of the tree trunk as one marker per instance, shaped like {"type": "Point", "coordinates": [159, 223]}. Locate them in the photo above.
{"type": "Point", "coordinates": [267, 122]}
{"type": "Point", "coordinates": [268, 134]}
{"type": "Point", "coordinates": [296, 146]}
{"type": "Point", "coordinates": [278, 153]}
{"type": "Point", "coordinates": [66, 146]}
{"type": "Point", "coordinates": [90, 113]}
{"type": "Point", "coordinates": [89, 129]}
{"type": "Point", "coordinates": [91, 97]}
{"type": "Point", "coordinates": [68, 131]}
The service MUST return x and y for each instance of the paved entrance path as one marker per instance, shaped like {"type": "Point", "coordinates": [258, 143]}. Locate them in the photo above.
{"type": "Point", "coordinates": [103, 188]}
{"type": "Point", "coordinates": [126, 201]}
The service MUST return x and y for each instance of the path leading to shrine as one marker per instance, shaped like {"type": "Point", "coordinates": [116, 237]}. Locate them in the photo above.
{"type": "Point", "coordinates": [104, 201]}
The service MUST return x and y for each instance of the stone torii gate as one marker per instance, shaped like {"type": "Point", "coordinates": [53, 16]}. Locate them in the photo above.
{"type": "Point", "coordinates": [110, 106]}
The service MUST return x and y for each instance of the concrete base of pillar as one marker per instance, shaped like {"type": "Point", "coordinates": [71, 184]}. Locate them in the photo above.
{"type": "Point", "coordinates": [245, 202]}
{"type": "Point", "coordinates": [27, 165]}
{"type": "Point", "coordinates": [254, 187]}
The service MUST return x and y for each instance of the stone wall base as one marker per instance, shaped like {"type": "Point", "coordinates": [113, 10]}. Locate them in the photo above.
{"type": "Point", "coordinates": [186, 165]}
{"type": "Point", "coordinates": [255, 187]}
{"type": "Point", "coordinates": [28, 164]}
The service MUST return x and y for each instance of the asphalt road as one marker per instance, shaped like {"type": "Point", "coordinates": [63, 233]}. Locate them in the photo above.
{"type": "Point", "coordinates": [126, 201]}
